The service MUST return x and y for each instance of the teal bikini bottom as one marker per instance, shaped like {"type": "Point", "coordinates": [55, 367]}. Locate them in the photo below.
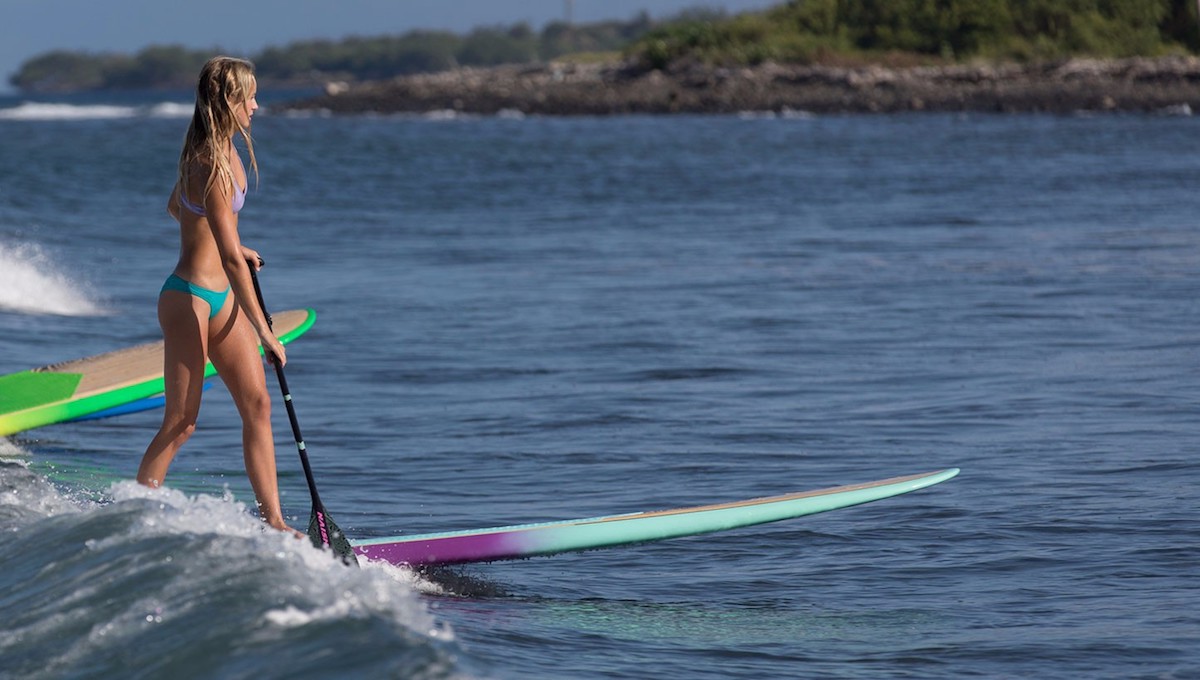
{"type": "Point", "coordinates": [214, 298]}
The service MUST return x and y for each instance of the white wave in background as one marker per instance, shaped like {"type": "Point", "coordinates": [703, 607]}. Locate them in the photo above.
{"type": "Point", "coordinates": [171, 110]}
{"type": "Point", "coordinates": [30, 284]}
{"type": "Point", "coordinates": [42, 111]}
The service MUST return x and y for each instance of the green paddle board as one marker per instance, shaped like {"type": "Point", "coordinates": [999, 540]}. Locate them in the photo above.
{"type": "Point", "coordinates": [103, 383]}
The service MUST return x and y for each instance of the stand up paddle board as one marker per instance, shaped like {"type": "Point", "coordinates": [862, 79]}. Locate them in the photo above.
{"type": "Point", "coordinates": [157, 401]}
{"type": "Point", "coordinates": [529, 540]}
{"type": "Point", "coordinates": [123, 381]}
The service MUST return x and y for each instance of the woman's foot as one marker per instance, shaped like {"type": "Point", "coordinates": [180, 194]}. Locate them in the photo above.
{"type": "Point", "coordinates": [278, 524]}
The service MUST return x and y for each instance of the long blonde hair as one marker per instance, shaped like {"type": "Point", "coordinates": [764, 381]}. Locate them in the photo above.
{"type": "Point", "coordinates": [225, 83]}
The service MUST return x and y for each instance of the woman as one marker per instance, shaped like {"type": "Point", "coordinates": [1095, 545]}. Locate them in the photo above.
{"type": "Point", "coordinates": [207, 307]}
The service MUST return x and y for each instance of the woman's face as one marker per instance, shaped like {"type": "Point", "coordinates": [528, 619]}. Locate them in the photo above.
{"type": "Point", "coordinates": [245, 110]}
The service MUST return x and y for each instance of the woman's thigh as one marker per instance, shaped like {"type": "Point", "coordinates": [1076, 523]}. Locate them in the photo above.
{"type": "Point", "coordinates": [183, 319]}
{"type": "Point", "coordinates": [233, 348]}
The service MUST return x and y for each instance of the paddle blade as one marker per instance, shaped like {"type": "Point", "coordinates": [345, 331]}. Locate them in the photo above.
{"type": "Point", "coordinates": [323, 532]}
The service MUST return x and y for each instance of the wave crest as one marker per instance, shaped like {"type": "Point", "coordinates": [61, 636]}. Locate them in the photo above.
{"type": "Point", "coordinates": [197, 586]}
{"type": "Point", "coordinates": [47, 111]}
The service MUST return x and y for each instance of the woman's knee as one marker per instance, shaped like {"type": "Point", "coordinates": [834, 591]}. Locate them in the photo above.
{"type": "Point", "coordinates": [180, 429]}
{"type": "Point", "coordinates": [256, 406]}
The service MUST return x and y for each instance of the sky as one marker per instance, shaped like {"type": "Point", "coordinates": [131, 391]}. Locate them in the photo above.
{"type": "Point", "coordinates": [31, 27]}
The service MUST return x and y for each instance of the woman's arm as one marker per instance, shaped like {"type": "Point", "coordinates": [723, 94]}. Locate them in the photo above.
{"type": "Point", "coordinates": [218, 206]}
{"type": "Point", "coordinates": [251, 255]}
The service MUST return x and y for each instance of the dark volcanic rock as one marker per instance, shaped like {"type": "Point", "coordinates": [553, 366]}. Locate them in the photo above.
{"type": "Point", "coordinates": [1140, 84]}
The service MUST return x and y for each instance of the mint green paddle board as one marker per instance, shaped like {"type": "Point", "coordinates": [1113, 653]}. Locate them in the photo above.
{"type": "Point", "coordinates": [549, 538]}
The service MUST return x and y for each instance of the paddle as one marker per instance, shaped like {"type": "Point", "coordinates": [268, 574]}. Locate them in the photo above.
{"type": "Point", "coordinates": [321, 528]}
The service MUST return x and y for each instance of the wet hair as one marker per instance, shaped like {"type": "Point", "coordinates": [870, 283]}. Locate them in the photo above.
{"type": "Point", "coordinates": [225, 84]}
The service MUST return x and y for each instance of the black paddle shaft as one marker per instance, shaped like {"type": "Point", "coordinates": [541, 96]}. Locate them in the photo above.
{"type": "Point", "coordinates": [321, 530]}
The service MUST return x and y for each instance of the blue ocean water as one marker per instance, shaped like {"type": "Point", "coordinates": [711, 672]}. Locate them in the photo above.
{"type": "Point", "coordinates": [536, 319]}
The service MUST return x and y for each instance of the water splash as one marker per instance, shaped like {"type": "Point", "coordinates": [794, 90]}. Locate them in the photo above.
{"type": "Point", "coordinates": [31, 284]}
{"type": "Point", "coordinates": [195, 585]}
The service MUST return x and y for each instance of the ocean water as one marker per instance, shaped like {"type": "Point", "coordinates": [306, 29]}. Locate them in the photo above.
{"type": "Point", "coordinates": [527, 319]}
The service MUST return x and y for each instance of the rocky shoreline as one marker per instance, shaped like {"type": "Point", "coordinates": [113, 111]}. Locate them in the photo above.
{"type": "Point", "coordinates": [1169, 84]}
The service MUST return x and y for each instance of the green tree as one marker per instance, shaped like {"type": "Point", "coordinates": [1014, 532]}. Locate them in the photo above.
{"type": "Point", "coordinates": [1181, 26]}
{"type": "Point", "coordinates": [60, 70]}
{"type": "Point", "coordinates": [156, 66]}
{"type": "Point", "coordinates": [491, 46]}
{"type": "Point", "coordinates": [796, 31]}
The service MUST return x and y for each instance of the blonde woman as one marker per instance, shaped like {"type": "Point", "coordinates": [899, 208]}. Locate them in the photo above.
{"type": "Point", "coordinates": [207, 307]}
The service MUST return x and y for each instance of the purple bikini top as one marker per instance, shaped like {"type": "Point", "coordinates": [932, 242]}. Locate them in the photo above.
{"type": "Point", "coordinates": [239, 199]}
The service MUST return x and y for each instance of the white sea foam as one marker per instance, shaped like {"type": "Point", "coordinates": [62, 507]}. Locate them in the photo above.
{"type": "Point", "coordinates": [8, 449]}
{"type": "Point", "coordinates": [157, 573]}
{"type": "Point", "coordinates": [308, 113]}
{"type": "Point", "coordinates": [448, 114]}
{"type": "Point", "coordinates": [45, 111]}
{"type": "Point", "coordinates": [27, 496]}
{"type": "Point", "coordinates": [30, 284]}
{"type": "Point", "coordinates": [786, 114]}
{"type": "Point", "coordinates": [171, 110]}
{"type": "Point", "coordinates": [406, 577]}
{"type": "Point", "coordinates": [337, 593]}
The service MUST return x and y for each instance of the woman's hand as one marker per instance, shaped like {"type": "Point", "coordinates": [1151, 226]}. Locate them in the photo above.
{"type": "Point", "coordinates": [251, 256]}
{"type": "Point", "coordinates": [273, 349]}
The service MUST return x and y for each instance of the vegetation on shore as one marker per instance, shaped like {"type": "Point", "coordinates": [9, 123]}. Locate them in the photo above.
{"type": "Point", "coordinates": [319, 61]}
{"type": "Point", "coordinates": [919, 31]}
{"type": "Point", "coordinates": [894, 32]}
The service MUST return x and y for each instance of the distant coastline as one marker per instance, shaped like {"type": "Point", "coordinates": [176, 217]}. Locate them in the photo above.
{"type": "Point", "coordinates": [1167, 84]}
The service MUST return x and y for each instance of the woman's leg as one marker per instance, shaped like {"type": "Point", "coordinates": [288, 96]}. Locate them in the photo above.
{"type": "Point", "coordinates": [233, 348]}
{"type": "Point", "coordinates": [184, 321]}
